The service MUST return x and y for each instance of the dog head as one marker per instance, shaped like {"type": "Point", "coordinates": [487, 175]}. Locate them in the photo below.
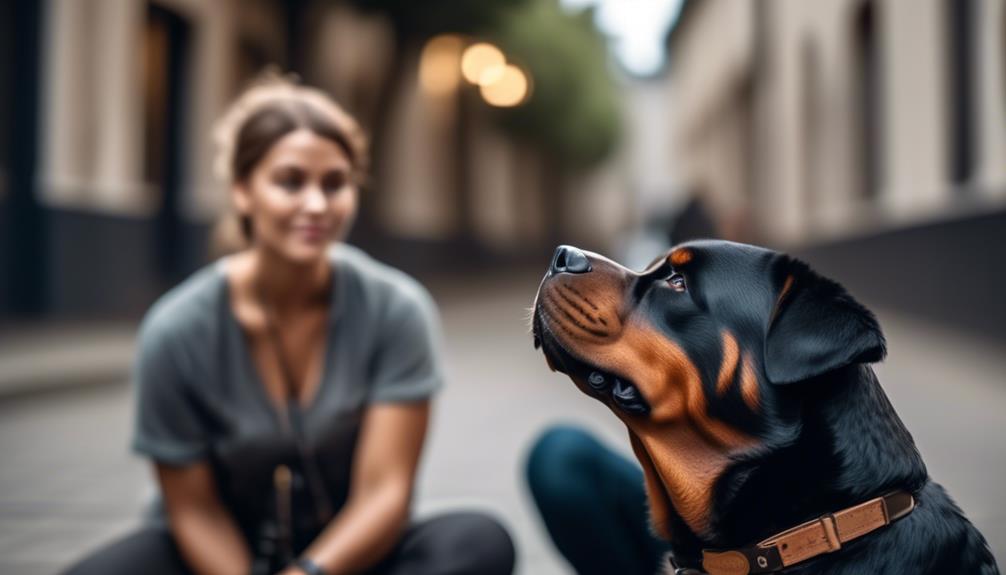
{"type": "Point", "coordinates": [696, 355]}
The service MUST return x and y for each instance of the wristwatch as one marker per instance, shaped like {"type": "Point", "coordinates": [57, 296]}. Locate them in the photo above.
{"type": "Point", "coordinates": [309, 567]}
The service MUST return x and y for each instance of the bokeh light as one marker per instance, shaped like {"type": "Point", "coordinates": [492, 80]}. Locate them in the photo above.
{"type": "Point", "coordinates": [482, 64]}
{"type": "Point", "coordinates": [439, 65]}
{"type": "Point", "coordinates": [510, 89]}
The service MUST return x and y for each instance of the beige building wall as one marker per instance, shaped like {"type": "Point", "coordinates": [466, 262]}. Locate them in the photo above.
{"type": "Point", "coordinates": [492, 174]}
{"type": "Point", "coordinates": [645, 158]}
{"type": "Point", "coordinates": [712, 104]}
{"type": "Point", "coordinates": [418, 200]}
{"type": "Point", "coordinates": [778, 206]}
{"type": "Point", "coordinates": [212, 61]}
{"type": "Point", "coordinates": [991, 98]}
{"type": "Point", "coordinates": [351, 57]}
{"type": "Point", "coordinates": [596, 206]}
{"type": "Point", "coordinates": [794, 165]}
{"type": "Point", "coordinates": [92, 155]}
{"type": "Point", "coordinates": [806, 136]}
{"type": "Point", "coordinates": [914, 108]}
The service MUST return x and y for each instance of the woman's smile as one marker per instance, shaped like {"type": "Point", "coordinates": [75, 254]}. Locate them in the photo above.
{"type": "Point", "coordinates": [312, 233]}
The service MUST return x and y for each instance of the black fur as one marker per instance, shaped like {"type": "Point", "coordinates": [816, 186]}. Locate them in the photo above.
{"type": "Point", "coordinates": [829, 438]}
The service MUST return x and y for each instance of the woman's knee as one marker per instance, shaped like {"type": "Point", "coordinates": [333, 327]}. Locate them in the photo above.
{"type": "Point", "coordinates": [150, 550]}
{"type": "Point", "coordinates": [557, 457]}
{"type": "Point", "coordinates": [475, 543]}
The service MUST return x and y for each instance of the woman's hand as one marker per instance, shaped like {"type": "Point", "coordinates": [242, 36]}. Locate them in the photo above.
{"type": "Point", "coordinates": [370, 524]}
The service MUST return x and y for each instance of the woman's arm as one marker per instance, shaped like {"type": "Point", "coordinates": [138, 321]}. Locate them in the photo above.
{"type": "Point", "coordinates": [203, 528]}
{"type": "Point", "coordinates": [384, 469]}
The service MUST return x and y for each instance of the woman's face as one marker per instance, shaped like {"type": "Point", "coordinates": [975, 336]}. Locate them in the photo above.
{"type": "Point", "coordinates": [300, 196]}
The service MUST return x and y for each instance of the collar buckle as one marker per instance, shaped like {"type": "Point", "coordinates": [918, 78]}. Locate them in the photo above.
{"type": "Point", "coordinates": [830, 532]}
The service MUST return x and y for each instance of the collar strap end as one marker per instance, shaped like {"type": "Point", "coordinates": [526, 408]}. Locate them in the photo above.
{"type": "Point", "coordinates": [826, 534]}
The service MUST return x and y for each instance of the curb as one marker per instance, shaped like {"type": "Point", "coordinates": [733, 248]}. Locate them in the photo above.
{"type": "Point", "coordinates": [52, 358]}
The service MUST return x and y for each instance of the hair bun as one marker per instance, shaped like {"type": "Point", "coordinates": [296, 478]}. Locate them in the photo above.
{"type": "Point", "coordinates": [273, 88]}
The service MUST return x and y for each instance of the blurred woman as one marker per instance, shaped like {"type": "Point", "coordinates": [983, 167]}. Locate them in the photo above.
{"type": "Point", "coordinates": [283, 391]}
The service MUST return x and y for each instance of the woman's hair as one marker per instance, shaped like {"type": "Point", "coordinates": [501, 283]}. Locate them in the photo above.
{"type": "Point", "coordinates": [270, 108]}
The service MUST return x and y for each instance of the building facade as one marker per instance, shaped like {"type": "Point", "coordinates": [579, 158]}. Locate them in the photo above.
{"type": "Point", "coordinates": [868, 135]}
{"type": "Point", "coordinates": [107, 189]}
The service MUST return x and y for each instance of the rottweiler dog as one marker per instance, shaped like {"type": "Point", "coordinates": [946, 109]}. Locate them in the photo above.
{"type": "Point", "coordinates": [766, 442]}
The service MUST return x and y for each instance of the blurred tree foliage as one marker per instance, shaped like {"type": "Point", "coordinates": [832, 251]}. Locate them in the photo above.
{"type": "Point", "coordinates": [572, 113]}
{"type": "Point", "coordinates": [420, 19]}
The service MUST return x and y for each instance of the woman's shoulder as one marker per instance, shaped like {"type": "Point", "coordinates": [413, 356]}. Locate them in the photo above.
{"type": "Point", "coordinates": [185, 309]}
{"type": "Point", "coordinates": [382, 286]}
{"type": "Point", "coordinates": [375, 275]}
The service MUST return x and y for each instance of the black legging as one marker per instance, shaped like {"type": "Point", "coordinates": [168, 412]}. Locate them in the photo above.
{"type": "Point", "coordinates": [463, 543]}
{"type": "Point", "coordinates": [593, 503]}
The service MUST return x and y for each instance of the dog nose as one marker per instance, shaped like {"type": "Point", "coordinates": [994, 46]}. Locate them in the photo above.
{"type": "Point", "coordinates": [570, 260]}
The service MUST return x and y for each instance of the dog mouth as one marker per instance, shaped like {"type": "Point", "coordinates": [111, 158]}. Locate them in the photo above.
{"type": "Point", "coordinates": [604, 385]}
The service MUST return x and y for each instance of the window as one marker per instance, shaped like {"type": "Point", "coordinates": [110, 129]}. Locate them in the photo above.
{"type": "Point", "coordinates": [165, 85]}
{"type": "Point", "coordinates": [6, 90]}
{"type": "Point", "coordinates": [960, 84]}
{"type": "Point", "coordinates": [810, 106]}
{"type": "Point", "coordinates": [868, 99]}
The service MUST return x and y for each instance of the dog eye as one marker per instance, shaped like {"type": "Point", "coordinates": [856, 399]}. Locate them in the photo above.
{"type": "Point", "coordinates": [677, 281]}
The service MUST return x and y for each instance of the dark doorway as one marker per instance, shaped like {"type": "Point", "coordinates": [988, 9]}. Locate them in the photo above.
{"type": "Point", "coordinates": [165, 85]}
{"type": "Point", "coordinates": [868, 98]}
{"type": "Point", "coordinates": [23, 234]}
{"type": "Point", "coordinates": [960, 77]}
{"type": "Point", "coordinates": [6, 95]}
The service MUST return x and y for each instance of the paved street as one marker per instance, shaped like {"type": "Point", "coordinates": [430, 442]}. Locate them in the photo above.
{"type": "Point", "coordinates": [68, 484]}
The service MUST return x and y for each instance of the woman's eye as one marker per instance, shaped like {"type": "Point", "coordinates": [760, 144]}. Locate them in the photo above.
{"type": "Point", "coordinates": [333, 183]}
{"type": "Point", "coordinates": [290, 183]}
{"type": "Point", "coordinates": [677, 281]}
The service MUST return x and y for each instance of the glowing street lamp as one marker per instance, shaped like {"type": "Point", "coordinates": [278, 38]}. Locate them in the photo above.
{"type": "Point", "coordinates": [445, 60]}
{"type": "Point", "coordinates": [439, 63]}
{"type": "Point", "coordinates": [482, 63]}
{"type": "Point", "coordinates": [508, 90]}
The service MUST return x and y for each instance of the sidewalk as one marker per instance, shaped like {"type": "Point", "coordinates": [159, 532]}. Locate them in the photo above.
{"type": "Point", "coordinates": [69, 484]}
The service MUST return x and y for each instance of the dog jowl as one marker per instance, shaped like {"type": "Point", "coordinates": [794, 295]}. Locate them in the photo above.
{"type": "Point", "coordinates": [742, 377]}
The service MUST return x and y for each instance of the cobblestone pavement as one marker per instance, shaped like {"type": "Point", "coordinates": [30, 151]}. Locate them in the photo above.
{"type": "Point", "coordinates": [67, 483]}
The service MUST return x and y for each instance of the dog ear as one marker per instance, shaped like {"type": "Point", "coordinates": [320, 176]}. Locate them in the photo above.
{"type": "Point", "coordinates": [816, 327]}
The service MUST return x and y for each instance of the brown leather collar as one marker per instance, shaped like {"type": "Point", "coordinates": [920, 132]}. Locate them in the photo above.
{"type": "Point", "coordinates": [816, 537]}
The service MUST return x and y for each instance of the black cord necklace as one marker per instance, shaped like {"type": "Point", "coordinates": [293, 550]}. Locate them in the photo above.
{"type": "Point", "coordinates": [293, 422]}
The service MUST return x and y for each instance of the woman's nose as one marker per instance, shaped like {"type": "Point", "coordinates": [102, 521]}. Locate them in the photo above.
{"type": "Point", "coordinates": [315, 199]}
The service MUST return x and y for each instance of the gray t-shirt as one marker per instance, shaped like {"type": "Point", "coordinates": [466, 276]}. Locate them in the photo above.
{"type": "Point", "coordinates": [199, 395]}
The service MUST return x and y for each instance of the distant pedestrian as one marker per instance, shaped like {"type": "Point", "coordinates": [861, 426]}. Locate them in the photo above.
{"type": "Point", "coordinates": [283, 391]}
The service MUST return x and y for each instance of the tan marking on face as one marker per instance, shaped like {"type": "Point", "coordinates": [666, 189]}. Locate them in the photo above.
{"type": "Point", "coordinates": [660, 506]}
{"type": "Point", "coordinates": [587, 307]}
{"type": "Point", "coordinates": [687, 467]}
{"type": "Point", "coordinates": [683, 450]}
{"type": "Point", "coordinates": [749, 384]}
{"type": "Point", "coordinates": [572, 320]}
{"type": "Point", "coordinates": [584, 319]}
{"type": "Point", "coordinates": [729, 365]}
{"type": "Point", "coordinates": [688, 448]}
{"type": "Point", "coordinates": [681, 256]}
